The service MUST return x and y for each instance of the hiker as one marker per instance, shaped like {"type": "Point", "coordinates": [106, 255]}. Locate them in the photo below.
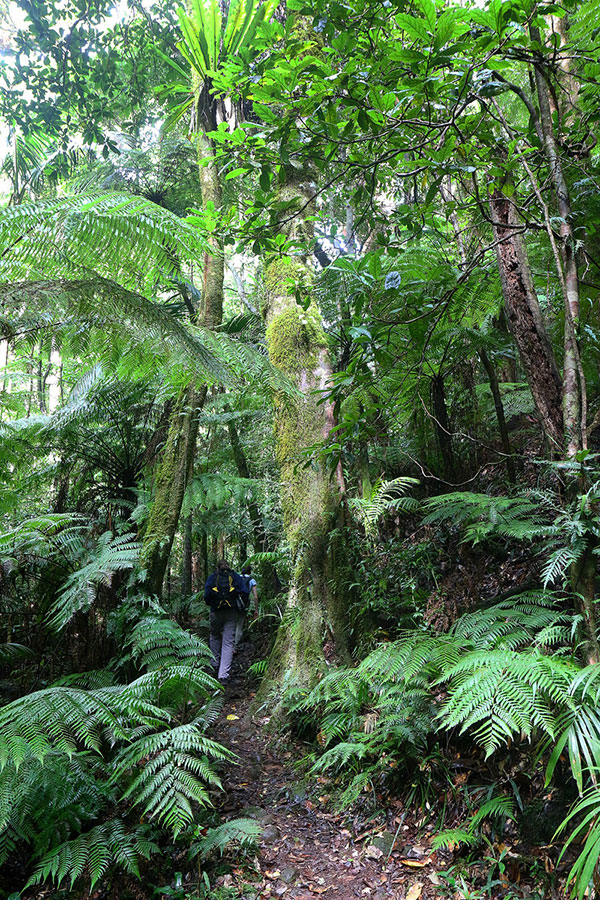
{"type": "Point", "coordinates": [252, 589]}
{"type": "Point", "coordinates": [226, 594]}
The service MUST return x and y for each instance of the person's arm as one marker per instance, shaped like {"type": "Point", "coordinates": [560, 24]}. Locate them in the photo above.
{"type": "Point", "coordinates": [254, 595]}
{"type": "Point", "coordinates": [210, 582]}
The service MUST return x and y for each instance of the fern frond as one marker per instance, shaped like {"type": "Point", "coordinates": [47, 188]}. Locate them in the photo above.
{"type": "Point", "coordinates": [111, 554]}
{"type": "Point", "coordinates": [157, 642]}
{"type": "Point", "coordinates": [92, 853]}
{"type": "Point", "coordinates": [385, 495]}
{"type": "Point", "coordinates": [340, 756]}
{"type": "Point", "coordinates": [175, 772]}
{"type": "Point", "coordinates": [244, 832]}
{"type": "Point", "coordinates": [57, 718]}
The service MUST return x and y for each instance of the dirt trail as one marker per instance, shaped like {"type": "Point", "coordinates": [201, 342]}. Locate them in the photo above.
{"type": "Point", "coordinates": [307, 851]}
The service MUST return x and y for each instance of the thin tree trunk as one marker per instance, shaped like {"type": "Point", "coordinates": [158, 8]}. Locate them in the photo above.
{"type": "Point", "coordinates": [525, 319]}
{"type": "Point", "coordinates": [186, 566]}
{"type": "Point", "coordinates": [499, 407]}
{"type": "Point", "coordinates": [574, 421]}
{"type": "Point", "coordinates": [442, 424]}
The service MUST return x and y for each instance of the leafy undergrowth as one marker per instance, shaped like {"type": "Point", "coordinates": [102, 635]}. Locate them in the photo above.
{"type": "Point", "coordinates": [446, 823]}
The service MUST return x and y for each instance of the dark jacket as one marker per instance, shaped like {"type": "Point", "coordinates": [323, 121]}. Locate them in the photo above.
{"type": "Point", "coordinates": [238, 583]}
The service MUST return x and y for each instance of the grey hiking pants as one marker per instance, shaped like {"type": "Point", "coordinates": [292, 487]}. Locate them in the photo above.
{"type": "Point", "coordinates": [223, 624]}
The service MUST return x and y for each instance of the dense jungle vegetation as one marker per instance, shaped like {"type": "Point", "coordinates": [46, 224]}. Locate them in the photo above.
{"type": "Point", "coordinates": [314, 288]}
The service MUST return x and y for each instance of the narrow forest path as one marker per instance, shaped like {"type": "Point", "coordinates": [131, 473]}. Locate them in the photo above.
{"type": "Point", "coordinates": [308, 849]}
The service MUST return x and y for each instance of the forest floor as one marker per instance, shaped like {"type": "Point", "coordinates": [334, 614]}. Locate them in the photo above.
{"type": "Point", "coordinates": [308, 849]}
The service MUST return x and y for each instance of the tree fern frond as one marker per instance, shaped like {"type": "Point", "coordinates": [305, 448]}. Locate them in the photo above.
{"type": "Point", "coordinates": [116, 235]}
{"type": "Point", "coordinates": [103, 302]}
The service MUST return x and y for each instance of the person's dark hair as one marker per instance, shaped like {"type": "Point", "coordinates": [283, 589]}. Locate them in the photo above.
{"type": "Point", "coordinates": [222, 564]}
{"type": "Point", "coordinates": [247, 570]}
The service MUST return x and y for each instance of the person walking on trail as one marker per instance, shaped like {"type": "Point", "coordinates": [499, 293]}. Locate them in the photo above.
{"type": "Point", "coordinates": [226, 594]}
{"type": "Point", "coordinates": [252, 589]}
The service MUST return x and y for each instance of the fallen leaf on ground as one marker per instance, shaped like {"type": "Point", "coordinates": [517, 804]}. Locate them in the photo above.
{"type": "Point", "coordinates": [231, 717]}
{"type": "Point", "coordinates": [415, 863]}
{"type": "Point", "coordinates": [415, 891]}
{"type": "Point", "coordinates": [274, 874]}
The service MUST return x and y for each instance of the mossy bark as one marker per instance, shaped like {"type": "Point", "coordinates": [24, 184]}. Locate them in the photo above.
{"type": "Point", "coordinates": [297, 346]}
{"type": "Point", "coordinates": [177, 459]}
{"type": "Point", "coordinates": [170, 482]}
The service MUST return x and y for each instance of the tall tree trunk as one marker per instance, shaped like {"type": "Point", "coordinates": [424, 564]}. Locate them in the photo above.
{"type": "Point", "coordinates": [525, 319]}
{"type": "Point", "coordinates": [297, 346]}
{"type": "Point", "coordinates": [177, 459]}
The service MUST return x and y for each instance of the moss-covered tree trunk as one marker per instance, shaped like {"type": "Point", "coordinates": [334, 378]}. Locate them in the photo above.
{"type": "Point", "coordinates": [297, 346]}
{"type": "Point", "coordinates": [177, 459]}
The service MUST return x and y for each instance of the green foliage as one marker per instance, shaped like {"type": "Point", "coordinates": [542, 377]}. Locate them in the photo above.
{"type": "Point", "coordinates": [385, 496]}
{"type": "Point", "coordinates": [110, 555]}
{"type": "Point", "coordinates": [242, 832]}
{"type": "Point", "coordinates": [493, 808]}
{"type": "Point", "coordinates": [206, 47]}
{"type": "Point", "coordinates": [174, 774]}
{"type": "Point", "coordinates": [108, 845]}
{"type": "Point", "coordinates": [366, 723]}
{"type": "Point", "coordinates": [585, 816]}
{"type": "Point", "coordinates": [81, 749]}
